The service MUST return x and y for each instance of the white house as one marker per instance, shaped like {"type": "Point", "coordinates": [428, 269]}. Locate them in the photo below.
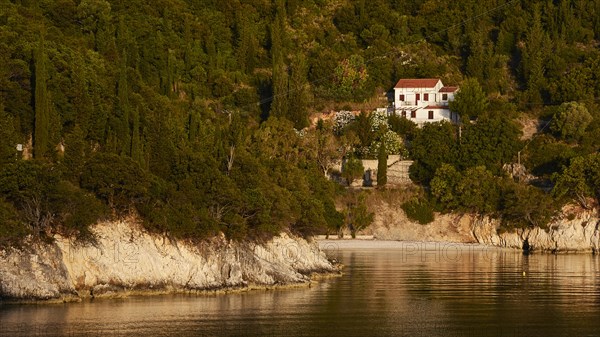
{"type": "Point", "coordinates": [424, 100]}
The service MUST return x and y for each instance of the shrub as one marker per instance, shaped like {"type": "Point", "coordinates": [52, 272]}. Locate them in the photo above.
{"type": "Point", "coordinates": [75, 210]}
{"type": "Point", "coordinates": [12, 229]}
{"type": "Point", "coordinates": [419, 210]}
{"type": "Point", "coordinates": [116, 179]}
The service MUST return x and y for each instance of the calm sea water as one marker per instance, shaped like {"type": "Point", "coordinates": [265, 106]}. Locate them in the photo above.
{"type": "Point", "coordinates": [401, 291]}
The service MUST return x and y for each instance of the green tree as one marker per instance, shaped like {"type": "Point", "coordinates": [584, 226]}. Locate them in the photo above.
{"type": "Point", "coordinates": [115, 179]}
{"type": "Point", "coordinates": [571, 120]}
{"type": "Point", "coordinates": [136, 141]}
{"type": "Point", "coordinates": [352, 170]}
{"type": "Point", "coordinates": [280, 104]}
{"type": "Point", "coordinates": [382, 166]}
{"type": "Point", "coordinates": [12, 228]}
{"type": "Point", "coordinates": [402, 126]}
{"type": "Point", "coordinates": [123, 113]}
{"type": "Point", "coordinates": [534, 59]}
{"type": "Point", "coordinates": [434, 145]}
{"type": "Point", "coordinates": [580, 180]}
{"type": "Point", "coordinates": [299, 95]}
{"type": "Point", "coordinates": [356, 214]}
{"type": "Point", "coordinates": [546, 155]}
{"type": "Point", "coordinates": [470, 101]}
{"type": "Point", "coordinates": [29, 185]}
{"type": "Point", "coordinates": [419, 210]}
{"type": "Point", "coordinates": [95, 16]}
{"type": "Point", "coordinates": [349, 77]}
{"type": "Point", "coordinates": [525, 206]}
{"type": "Point", "coordinates": [444, 187]}
{"type": "Point", "coordinates": [8, 137]}
{"type": "Point", "coordinates": [75, 153]}
{"type": "Point", "coordinates": [492, 141]}
{"type": "Point", "coordinates": [362, 127]}
{"type": "Point", "coordinates": [41, 102]}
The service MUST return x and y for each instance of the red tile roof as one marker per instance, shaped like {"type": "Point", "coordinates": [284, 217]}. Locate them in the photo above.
{"type": "Point", "coordinates": [436, 107]}
{"type": "Point", "coordinates": [448, 89]}
{"type": "Point", "coordinates": [417, 83]}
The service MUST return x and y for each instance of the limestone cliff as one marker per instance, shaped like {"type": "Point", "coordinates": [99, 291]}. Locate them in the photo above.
{"type": "Point", "coordinates": [574, 230]}
{"type": "Point", "coordinates": [126, 258]}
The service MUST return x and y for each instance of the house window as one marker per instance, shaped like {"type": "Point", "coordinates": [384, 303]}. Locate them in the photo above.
{"type": "Point", "coordinates": [413, 114]}
{"type": "Point", "coordinates": [401, 98]}
{"type": "Point", "coordinates": [404, 113]}
{"type": "Point", "coordinates": [426, 97]}
{"type": "Point", "coordinates": [430, 114]}
{"type": "Point", "coordinates": [445, 97]}
{"type": "Point", "coordinates": [418, 97]}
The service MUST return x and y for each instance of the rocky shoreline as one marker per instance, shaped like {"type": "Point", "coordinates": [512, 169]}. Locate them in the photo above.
{"type": "Point", "coordinates": [573, 230]}
{"type": "Point", "coordinates": [125, 260]}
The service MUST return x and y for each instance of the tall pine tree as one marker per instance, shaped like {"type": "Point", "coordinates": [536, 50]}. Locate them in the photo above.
{"type": "Point", "coordinates": [382, 165]}
{"type": "Point", "coordinates": [279, 106]}
{"type": "Point", "coordinates": [533, 60]}
{"type": "Point", "coordinates": [121, 124]}
{"type": "Point", "coordinates": [299, 95]}
{"type": "Point", "coordinates": [41, 104]}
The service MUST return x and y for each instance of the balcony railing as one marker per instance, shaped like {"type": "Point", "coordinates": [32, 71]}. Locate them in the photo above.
{"type": "Point", "coordinates": [406, 103]}
{"type": "Point", "coordinates": [419, 103]}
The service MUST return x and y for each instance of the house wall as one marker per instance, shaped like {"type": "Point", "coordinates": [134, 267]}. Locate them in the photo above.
{"type": "Point", "coordinates": [422, 115]}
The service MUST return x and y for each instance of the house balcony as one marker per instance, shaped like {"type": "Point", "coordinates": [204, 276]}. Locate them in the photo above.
{"type": "Point", "coordinates": [420, 103]}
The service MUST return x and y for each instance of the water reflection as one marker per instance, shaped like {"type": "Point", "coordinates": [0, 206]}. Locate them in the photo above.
{"type": "Point", "coordinates": [405, 291]}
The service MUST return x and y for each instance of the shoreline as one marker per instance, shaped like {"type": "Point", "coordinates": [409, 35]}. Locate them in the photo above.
{"type": "Point", "coordinates": [116, 293]}
{"type": "Point", "coordinates": [370, 243]}
{"type": "Point", "coordinates": [367, 242]}
{"type": "Point", "coordinates": [129, 261]}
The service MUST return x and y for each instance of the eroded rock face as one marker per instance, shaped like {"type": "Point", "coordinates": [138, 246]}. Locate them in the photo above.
{"type": "Point", "coordinates": [580, 234]}
{"type": "Point", "coordinates": [126, 258]}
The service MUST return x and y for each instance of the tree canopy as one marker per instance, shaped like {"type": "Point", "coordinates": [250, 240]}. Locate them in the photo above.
{"type": "Point", "coordinates": [195, 114]}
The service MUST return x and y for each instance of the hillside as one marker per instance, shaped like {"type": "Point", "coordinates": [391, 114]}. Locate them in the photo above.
{"type": "Point", "coordinates": [185, 113]}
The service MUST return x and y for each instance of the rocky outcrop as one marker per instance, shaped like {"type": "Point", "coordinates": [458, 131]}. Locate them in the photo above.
{"type": "Point", "coordinates": [579, 234]}
{"type": "Point", "coordinates": [575, 230]}
{"type": "Point", "coordinates": [128, 259]}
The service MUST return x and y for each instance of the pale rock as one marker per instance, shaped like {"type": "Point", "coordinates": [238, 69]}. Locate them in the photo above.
{"type": "Point", "coordinates": [126, 258]}
{"type": "Point", "coordinates": [581, 234]}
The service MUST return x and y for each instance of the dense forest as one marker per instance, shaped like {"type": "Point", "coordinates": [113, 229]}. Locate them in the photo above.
{"type": "Point", "coordinates": [194, 114]}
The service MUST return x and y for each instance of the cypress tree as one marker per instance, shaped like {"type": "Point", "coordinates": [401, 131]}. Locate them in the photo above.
{"type": "Point", "coordinates": [8, 137]}
{"type": "Point", "coordinates": [298, 93]}
{"type": "Point", "coordinates": [41, 105]}
{"type": "Point", "coordinates": [75, 151]}
{"type": "Point", "coordinates": [123, 110]}
{"type": "Point", "coordinates": [382, 166]}
{"type": "Point", "coordinates": [279, 106]}
{"type": "Point", "coordinates": [533, 59]}
{"type": "Point", "coordinates": [136, 143]}
{"type": "Point", "coordinates": [193, 125]}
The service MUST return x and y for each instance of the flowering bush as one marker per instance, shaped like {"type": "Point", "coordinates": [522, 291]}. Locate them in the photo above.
{"type": "Point", "coordinates": [394, 144]}
{"type": "Point", "coordinates": [379, 120]}
{"type": "Point", "coordinates": [341, 120]}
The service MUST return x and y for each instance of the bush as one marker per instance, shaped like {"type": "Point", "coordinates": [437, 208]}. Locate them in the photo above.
{"type": "Point", "coordinates": [525, 206]}
{"type": "Point", "coordinates": [419, 210]}
{"type": "Point", "coordinates": [116, 179]}
{"type": "Point", "coordinates": [12, 229]}
{"type": "Point", "coordinates": [545, 155]}
{"type": "Point", "coordinates": [75, 210]}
